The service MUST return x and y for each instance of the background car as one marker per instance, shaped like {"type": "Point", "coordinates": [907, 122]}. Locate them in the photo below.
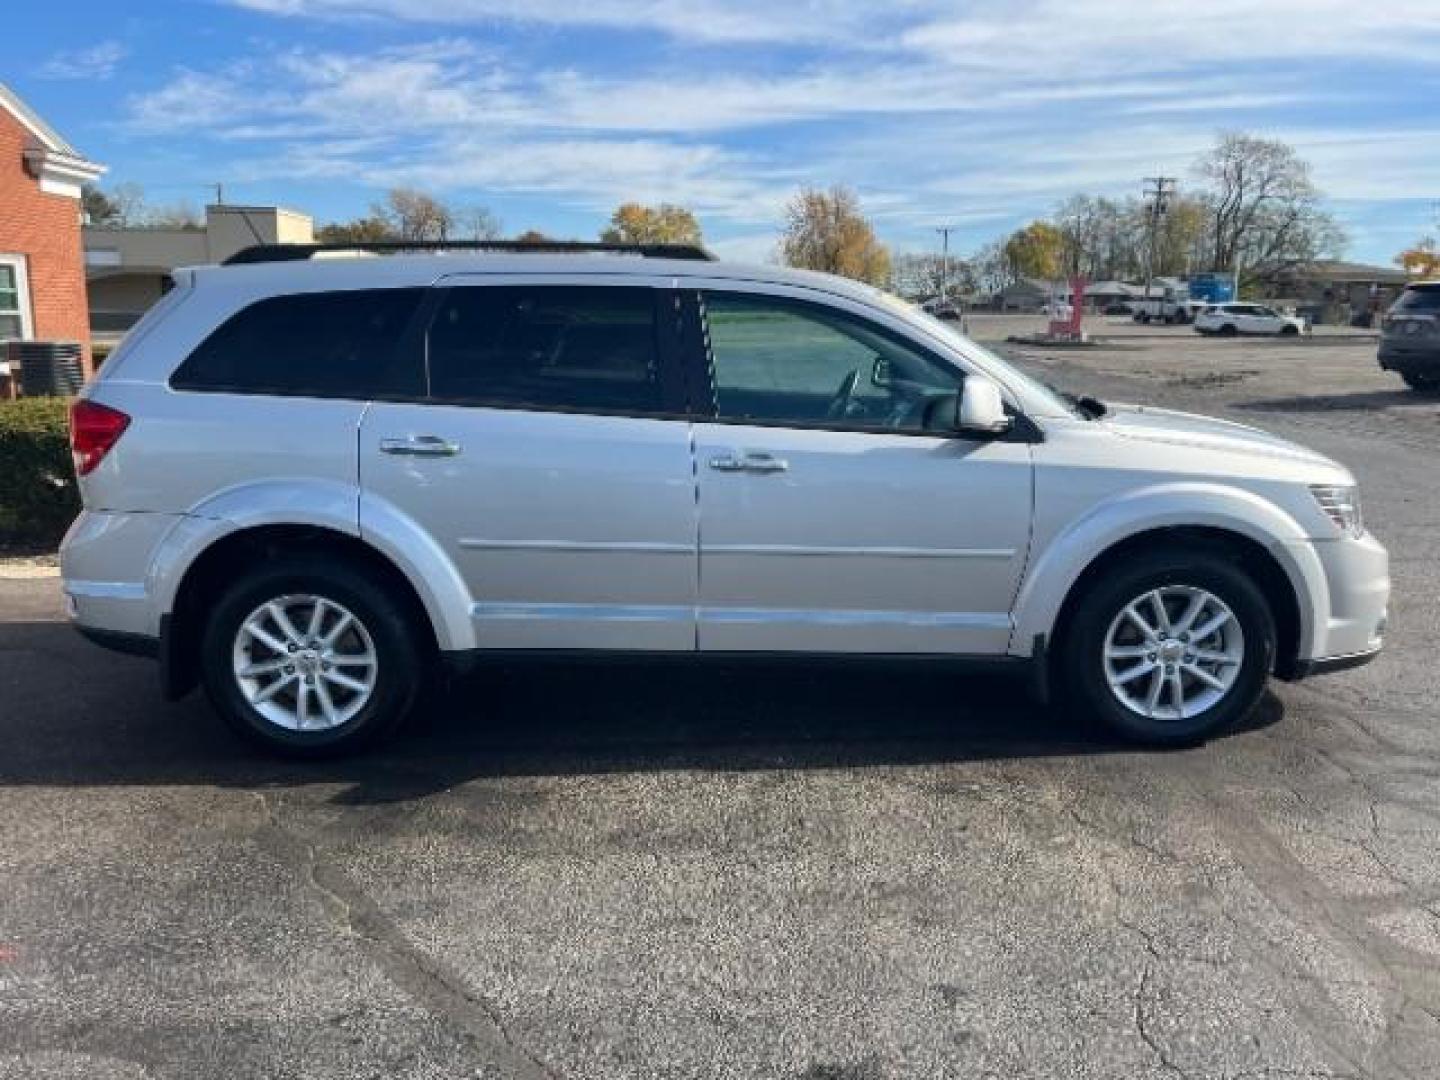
{"type": "Point", "coordinates": [1410, 337]}
{"type": "Point", "coordinates": [1230, 319]}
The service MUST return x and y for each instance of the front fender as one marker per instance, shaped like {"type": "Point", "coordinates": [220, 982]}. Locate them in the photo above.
{"type": "Point", "coordinates": [1079, 543]}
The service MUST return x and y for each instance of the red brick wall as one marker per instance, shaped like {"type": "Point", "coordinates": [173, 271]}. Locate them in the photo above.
{"type": "Point", "coordinates": [45, 229]}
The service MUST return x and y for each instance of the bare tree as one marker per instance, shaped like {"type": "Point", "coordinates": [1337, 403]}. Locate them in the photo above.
{"type": "Point", "coordinates": [475, 222]}
{"type": "Point", "coordinates": [1264, 211]}
{"type": "Point", "coordinates": [412, 214]}
{"type": "Point", "coordinates": [920, 276]}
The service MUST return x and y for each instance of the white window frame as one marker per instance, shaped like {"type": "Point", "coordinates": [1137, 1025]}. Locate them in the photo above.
{"type": "Point", "coordinates": [22, 287]}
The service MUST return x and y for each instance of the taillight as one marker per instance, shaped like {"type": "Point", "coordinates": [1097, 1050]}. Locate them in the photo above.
{"type": "Point", "coordinates": [94, 429]}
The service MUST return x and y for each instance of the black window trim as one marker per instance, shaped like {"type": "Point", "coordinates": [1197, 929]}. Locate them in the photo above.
{"type": "Point", "coordinates": [700, 366]}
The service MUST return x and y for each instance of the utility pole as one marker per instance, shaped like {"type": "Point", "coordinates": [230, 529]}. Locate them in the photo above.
{"type": "Point", "coordinates": [945, 232]}
{"type": "Point", "coordinates": [219, 193]}
{"type": "Point", "coordinates": [1159, 190]}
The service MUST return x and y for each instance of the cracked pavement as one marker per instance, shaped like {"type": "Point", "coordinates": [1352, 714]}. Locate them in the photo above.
{"type": "Point", "coordinates": [853, 873]}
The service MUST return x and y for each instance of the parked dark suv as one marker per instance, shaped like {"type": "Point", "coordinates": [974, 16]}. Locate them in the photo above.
{"type": "Point", "coordinates": [1410, 341]}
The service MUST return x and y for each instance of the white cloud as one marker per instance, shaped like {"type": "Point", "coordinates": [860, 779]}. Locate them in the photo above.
{"type": "Point", "coordinates": [98, 62]}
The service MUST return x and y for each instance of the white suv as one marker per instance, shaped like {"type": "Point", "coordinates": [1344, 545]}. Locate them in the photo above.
{"type": "Point", "coordinates": [309, 483]}
{"type": "Point", "coordinates": [1230, 319]}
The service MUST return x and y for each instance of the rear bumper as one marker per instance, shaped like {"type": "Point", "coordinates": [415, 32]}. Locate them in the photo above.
{"type": "Point", "coordinates": [1410, 357]}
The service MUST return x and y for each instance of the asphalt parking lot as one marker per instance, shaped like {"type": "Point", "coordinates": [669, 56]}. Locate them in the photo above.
{"type": "Point", "coordinates": [796, 871]}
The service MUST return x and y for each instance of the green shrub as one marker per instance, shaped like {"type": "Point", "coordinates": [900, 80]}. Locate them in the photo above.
{"type": "Point", "coordinates": [38, 496]}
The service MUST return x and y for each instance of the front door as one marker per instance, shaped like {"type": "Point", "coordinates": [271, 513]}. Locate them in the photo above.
{"type": "Point", "coordinates": [839, 511]}
{"type": "Point", "coordinates": [551, 460]}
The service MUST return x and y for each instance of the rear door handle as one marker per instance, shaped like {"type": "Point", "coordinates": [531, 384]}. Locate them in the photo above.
{"type": "Point", "coordinates": [420, 446]}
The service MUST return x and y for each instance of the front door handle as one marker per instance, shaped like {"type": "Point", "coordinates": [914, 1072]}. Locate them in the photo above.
{"type": "Point", "coordinates": [420, 446]}
{"type": "Point", "coordinates": [753, 461]}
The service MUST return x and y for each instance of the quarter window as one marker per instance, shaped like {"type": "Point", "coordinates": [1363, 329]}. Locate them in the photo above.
{"type": "Point", "coordinates": [547, 347]}
{"type": "Point", "coordinates": [782, 361]}
{"type": "Point", "coordinates": [338, 344]}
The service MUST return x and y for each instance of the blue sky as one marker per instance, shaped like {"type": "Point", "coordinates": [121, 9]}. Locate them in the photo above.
{"type": "Point", "coordinates": [979, 114]}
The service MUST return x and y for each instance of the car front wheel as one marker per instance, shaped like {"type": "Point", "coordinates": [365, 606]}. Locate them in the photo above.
{"type": "Point", "coordinates": [310, 657]}
{"type": "Point", "coordinates": [1171, 649]}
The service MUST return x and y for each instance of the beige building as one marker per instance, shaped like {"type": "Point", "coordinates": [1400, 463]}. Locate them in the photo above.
{"type": "Point", "coordinates": [126, 269]}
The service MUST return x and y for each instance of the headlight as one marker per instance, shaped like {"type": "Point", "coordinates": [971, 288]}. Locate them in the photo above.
{"type": "Point", "coordinates": [1341, 505]}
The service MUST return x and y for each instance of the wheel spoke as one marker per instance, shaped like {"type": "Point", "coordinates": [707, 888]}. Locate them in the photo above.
{"type": "Point", "coordinates": [1128, 652]}
{"type": "Point", "coordinates": [1157, 683]}
{"type": "Point", "coordinates": [1215, 622]}
{"type": "Point", "coordinates": [1210, 656]}
{"type": "Point", "coordinates": [302, 705]}
{"type": "Point", "coordinates": [365, 659]}
{"type": "Point", "coordinates": [317, 619]}
{"type": "Point", "coordinates": [1157, 604]}
{"type": "Point", "coordinates": [1212, 681]}
{"type": "Point", "coordinates": [1133, 674]}
{"type": "Point", "coordinates": [327, 705]}
{"type": "Point", "coordinates": [1141, 623]}
{"type": "Point", "coordinates": [339, 678]}
{"type": "Point", "coordinates": [262, 667]}
{"type": "Point", "coordinates": [274, 688]}
{"type": "Point", "coordinates": [341, 625]}
{"type": "Point", "coordinates": [1177, 691]}
{"type": "Point", "coordinates": [260, 634]}
{"type": "Point", "coordinates": [282, 621]}
{"type": "Point", "coordinates": [1192, 612]}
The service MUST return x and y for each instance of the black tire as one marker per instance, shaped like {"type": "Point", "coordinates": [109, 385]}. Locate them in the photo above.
{"type": "Point", "coordinates": [1289, 330]}
{"type": "Point", "coordinates": [1228, 330]}
{"type": "Point", "coordinates": [1081, 660]}
{"type": "Point", "coordinates": [399, 671]}
{"type": "Point", "coordinates": [1423, 383]}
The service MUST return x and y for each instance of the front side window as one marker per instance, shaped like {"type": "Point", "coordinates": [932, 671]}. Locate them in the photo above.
{"type": "Point", "coordinates": [1425, 298]}
{"type": "Point", "coordinates": [569, 348]}
{"type": "Point", "coordinates": [338, 344]}
{"type": "Point", "coordinates": [783, 361]}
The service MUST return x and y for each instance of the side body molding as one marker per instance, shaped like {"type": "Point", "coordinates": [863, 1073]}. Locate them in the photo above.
{"type": "Point", "coordinates": [1077, 544]}
{"type": "Point", "coordinates": [322, 504]}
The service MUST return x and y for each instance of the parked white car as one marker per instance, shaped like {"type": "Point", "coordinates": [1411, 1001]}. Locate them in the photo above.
{"type": "Point", "coordinates": [1231, 319]}
{"type": "Point", "coordinates": [310, 483]}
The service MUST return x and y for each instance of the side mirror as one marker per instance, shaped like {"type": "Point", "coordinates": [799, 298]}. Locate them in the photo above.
{"type": "Point", "coordinates": [981, 409]}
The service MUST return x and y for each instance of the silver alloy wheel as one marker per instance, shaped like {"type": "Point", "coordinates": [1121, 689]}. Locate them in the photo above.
{"type": "Point", "coordinates": [304, 662]}
{"type": "Point", "coordinates": [1173, 653]}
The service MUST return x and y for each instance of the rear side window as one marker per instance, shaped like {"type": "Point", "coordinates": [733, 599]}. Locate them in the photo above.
{"type": "Point", "coordinates": [569, 348]}
{"type": "Point", "coordinates": [337, 344]}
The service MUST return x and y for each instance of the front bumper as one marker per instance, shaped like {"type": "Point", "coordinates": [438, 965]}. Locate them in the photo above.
{"type": "Point", "coordinates": [1350, 625]}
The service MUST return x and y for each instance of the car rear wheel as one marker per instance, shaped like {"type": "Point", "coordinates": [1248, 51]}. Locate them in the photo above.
{"type": "Point", "coordinates": [310, 658]}
{"type": "Point", "coordinates": [1170, 649]}
{"type": "Point", "coordinates": [1228, 330]}
{"type": "Point", "coordinates": [1289, 330]}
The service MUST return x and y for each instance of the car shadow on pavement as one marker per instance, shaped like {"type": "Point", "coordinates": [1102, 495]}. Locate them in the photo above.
{"type": "Point", "coordinates": [1366, 400]}
{"type": "Point", "coordinates": [73, 715]}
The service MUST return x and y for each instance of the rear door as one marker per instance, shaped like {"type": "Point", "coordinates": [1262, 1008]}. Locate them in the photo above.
{"type": "Point", "coordinates": [550, 458]}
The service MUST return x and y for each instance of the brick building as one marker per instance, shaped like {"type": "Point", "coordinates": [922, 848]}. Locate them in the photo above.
{"type": "Point", "coordinates": [42, 267]}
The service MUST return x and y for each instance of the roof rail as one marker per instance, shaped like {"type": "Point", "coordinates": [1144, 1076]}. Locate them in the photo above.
{"type": "Point", "coordinates": [263, 253]}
